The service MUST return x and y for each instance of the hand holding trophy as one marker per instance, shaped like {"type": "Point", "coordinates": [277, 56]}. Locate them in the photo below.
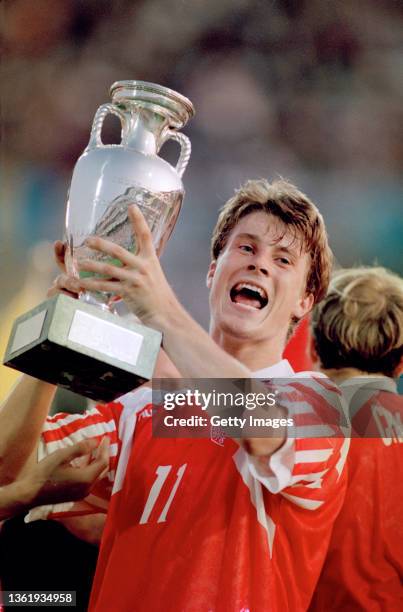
{"type": "Point", "coordinates": [82, 344]}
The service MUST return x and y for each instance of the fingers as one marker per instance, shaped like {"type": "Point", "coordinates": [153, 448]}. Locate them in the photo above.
{"type": "Point", "coordinates": [112, 249]}
{"type": "Point", "coordinates": [109, 271]}
{"type": "Point", "coordinates": [65, 455]}
{"type": "Point", "coordinates": [103, 448]}
{"type": "Point", "coordinates": [66, 285]}
{"type": "Point", "coordinates": [72, 287]}
{"type": "Point", "coordinates": [102, 456]}
{"type": "Point", "coordinates": [98, 468]}
{"type": "Point", "coordinates": [59, 462]}
{"type": "Point", "coordinates": [141, 231]}
{"type": "Point", "coordinates": [99, 284]}
{"type": "Point", "coordinates": [84, 447]}
{"type": "Point", "coordinates": [60, 252]}
{"type": "Point", "coordinates": [123, 256]}
{"type": "Point", "coordinates": [54, 291]}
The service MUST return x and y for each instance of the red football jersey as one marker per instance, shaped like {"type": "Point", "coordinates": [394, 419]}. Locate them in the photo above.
{"type": "Point", "coordinates": [364, 566]}
{"type": "Point", "coordinates": [198, 525]}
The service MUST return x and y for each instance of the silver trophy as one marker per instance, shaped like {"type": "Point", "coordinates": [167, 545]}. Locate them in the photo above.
{"type": "Point", "coordinates": [84, 345]}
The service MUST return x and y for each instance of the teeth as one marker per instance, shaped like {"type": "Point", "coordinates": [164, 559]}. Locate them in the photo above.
{"type": "Point", "coordinates": [258, 290]}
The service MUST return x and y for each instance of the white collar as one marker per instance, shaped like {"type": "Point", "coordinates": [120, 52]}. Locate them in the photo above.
{"type": "Point", "coordinates": [282, 369]}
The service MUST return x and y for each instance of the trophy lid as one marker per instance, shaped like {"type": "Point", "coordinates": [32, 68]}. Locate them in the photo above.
{"type": "Point", "coordinates": [178, 107]}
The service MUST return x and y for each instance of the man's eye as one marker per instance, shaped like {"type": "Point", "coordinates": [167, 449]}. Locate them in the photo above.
{"type": "Point", "coordinates": [284, 260]}
{"type": "Point", "coordinates": [246, 247]}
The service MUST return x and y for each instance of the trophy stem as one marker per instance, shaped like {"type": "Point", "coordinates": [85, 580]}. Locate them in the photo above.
{"type": "Point", "coordinates": [96, 299]}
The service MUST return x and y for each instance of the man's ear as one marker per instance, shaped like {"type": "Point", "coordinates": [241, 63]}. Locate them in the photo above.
{"type": "Point", "coordinates": [304, 305]}
{"type": "Point", "coordinates": [211, 271]}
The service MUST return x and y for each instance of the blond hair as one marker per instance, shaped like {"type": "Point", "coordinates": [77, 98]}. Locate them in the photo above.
{"type": "Point", "coordinates": [284, 201]}
{"type": "Point", "coordinates": [359, 324]}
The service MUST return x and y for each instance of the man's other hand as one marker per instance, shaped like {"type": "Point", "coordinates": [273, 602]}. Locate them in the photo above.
{"type": "Point", "coordinates": [63, 283]}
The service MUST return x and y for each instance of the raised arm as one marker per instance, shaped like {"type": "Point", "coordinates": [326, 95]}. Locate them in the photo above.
{"type": "Point", "coordinates": [24, 410]}
{"type": "Point", "coordinates": [21, 419]}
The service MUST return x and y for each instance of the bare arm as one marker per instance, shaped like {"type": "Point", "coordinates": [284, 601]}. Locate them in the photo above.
{"type": "Point", "coordinates": [12, 499]}
{"type": "Point", "coordinates": [24, 410]}
{"type": "Point", "coordinates": [21, 419]}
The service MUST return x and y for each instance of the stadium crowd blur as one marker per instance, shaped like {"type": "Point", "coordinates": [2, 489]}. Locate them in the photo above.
{"type": "Point", "coordinates": [310, 90]}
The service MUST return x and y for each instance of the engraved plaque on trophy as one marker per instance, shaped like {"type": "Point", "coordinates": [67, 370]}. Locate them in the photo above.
{"type": "Point", "coordinates": [83, 344]}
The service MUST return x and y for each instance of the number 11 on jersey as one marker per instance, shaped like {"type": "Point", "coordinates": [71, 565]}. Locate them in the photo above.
{"type": "Point", "coordinates": [162, 472]}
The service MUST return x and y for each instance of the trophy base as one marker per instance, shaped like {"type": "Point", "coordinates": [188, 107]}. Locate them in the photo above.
{"type": "Point", "coordinates": [79, 347]}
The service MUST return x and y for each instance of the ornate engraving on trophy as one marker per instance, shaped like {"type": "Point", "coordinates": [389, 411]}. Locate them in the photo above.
{"type": "Point", "coordinates": [159, 209]}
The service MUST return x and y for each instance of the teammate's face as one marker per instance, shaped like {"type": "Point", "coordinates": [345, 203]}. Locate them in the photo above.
{"type": "Point", "coordinates": [257, 285]}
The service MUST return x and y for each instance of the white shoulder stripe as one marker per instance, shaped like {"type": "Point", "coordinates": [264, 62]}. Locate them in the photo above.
{"type": "Point", "coordinates": [343, 456]}
{"type": "Point", "coordinates": [297, 407]}
{"type": "Point", "coordinates": [84, 433]}
{"type": "Point", "coordinates": [313, 456]}
{"type": "Point", "coordinates": [311, 431]}
{"type": "Point", "coordinates": [92, 430]}
{"type": "Point", "coordinates": [314, 477]}
{"type": "Point", "coordinates": [68, 419]}
{"type": "Point", "coordinates": [316, 484]}
{"type": "Point", "coordinates": [308, 504]}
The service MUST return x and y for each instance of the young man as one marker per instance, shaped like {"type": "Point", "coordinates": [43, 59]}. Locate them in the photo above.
{"type": "Point", "coordinates": [358, 341]}
{"type": "Point", "coordinates": [207, 524]}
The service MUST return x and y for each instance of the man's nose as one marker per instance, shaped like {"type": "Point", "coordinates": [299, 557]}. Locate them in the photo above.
{"type": "Point", "coordinates": [258, 268]}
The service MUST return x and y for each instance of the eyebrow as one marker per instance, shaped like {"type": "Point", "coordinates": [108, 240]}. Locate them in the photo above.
{"type": "Point", "coordinates": [256, 238]}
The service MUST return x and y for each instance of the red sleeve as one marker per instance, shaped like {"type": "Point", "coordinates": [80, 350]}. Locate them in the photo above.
{"type": "Point", "coordinates": [307, 468]}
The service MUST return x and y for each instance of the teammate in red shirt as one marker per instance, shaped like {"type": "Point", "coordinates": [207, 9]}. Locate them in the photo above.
{"type": "Point", "coordinates": [358, 339]}
{"type": "Point", "coordinates": [210, 524]}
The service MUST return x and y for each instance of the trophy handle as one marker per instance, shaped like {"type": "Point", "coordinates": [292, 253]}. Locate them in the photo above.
{"type": "Point", "coordinates": [186, 149]}
{"type": "Point", "coordinates": [102, 112]}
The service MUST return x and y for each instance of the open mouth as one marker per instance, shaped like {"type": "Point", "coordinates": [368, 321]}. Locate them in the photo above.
{"type": "Point", "coordinates": [249, 294]}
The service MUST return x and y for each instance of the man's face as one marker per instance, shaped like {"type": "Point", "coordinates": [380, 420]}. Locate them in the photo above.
{"type": "Point", "coordinates": [257, 285]}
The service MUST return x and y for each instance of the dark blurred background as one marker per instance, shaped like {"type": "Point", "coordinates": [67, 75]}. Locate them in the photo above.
{"type": "Point", "coordinates": [307, 89]}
